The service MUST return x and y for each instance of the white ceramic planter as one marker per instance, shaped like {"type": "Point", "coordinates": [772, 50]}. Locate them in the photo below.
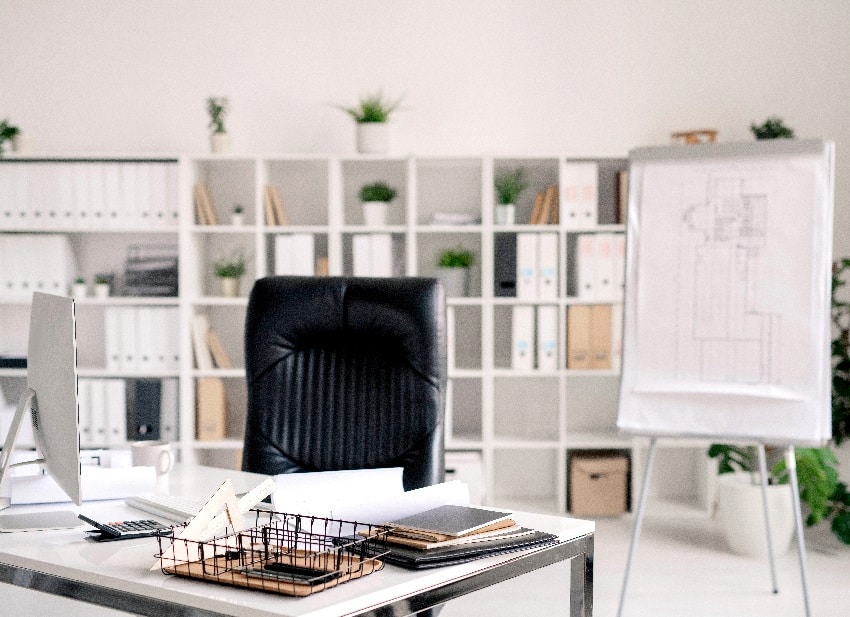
{"type": "Point", "coordinates": [373, 137]}
{"type": "Point", "coordinates": [455, 281]}
{"type": "Point", "coordinates": [79, 290]}
{"type": "Point", "coordinates": [101, 290]}
{"type": "Point", "coordinates": [741, 513]}
{"type": "Point", "coordinates": [229, 286]}
{"type": "Point", "coordinates": [375, 213]}
{"type": "Point", "coordinates": [220, 143]}
{"type": "Point", "coordinates": [505, 214]}
{"type": "Point", "coordinates": [237, 219]}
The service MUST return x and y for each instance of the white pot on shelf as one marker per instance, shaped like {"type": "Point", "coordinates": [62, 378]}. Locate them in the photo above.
{"type": "Point", "coordinates": [505, 214]}
{"type": "Point", "coordinates": [229, 286]}
{"type": "Point", "coordinates": [237, 219]}
{"type": "Point", "coordinates": [741, 512]}
{"type": "Point", "coordinates": [455, 281]}
{"type": "Point", "coordinates": [375, 213]}
{"type": "Point", "coordinates": [220, 143]}
{"type": "Point", "coordinates": [373, 137]}
{"type": "Point", "coordinates": [101, 290]}
{"type": "Point", "coordinates": [79, 290]}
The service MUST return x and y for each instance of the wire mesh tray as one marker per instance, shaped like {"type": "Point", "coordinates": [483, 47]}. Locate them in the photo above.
{"type": "Point", "coordinates": [294, 555]}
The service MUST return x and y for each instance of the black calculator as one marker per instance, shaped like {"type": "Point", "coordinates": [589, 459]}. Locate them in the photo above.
{"type": "Point", "coordinates": [124, 530]}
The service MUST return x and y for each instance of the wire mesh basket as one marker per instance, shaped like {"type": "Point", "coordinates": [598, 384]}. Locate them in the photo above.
{"type": "Point", "coordinates": [289, 554]}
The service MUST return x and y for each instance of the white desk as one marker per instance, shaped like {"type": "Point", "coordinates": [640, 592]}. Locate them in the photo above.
{"type": "Point", "coordinates": [118, 575]}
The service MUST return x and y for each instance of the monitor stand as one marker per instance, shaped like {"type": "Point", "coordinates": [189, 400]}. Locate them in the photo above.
{"type": "Point", "coordinates": [31, 521]}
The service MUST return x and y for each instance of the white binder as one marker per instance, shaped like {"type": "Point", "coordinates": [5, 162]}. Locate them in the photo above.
{"type": "Point", "coordinates": [145, 338]}
{"type": "Point", "coordinates": [604, 268]}
{"type": "Point", "coordinates": [168, 428]}
{"type": "Point", "coordinates": [547, 338]}
{"type": "Point", "coordinates": [127, 338]}
{"type": "Point", "coordinates": [116, 411]}
{"type": "Point", "coordinates": [97, 404]}
{"type": "Point", "coordinates": [112, 338]}
{"type": "Point", "coordinates": [283, 255]}
{"type": "Point", "coordinates": [522, 348]}
{"type": "Point", "coordinates": [128, 194]}
{"type": "Point", "coordinates": [361, 255]}
{"type": "Point", "coordinates": [547, 266]}
{"type": "Point", "coordinates": [381, 258]}
{"type": "Point", "coordinates": [115, 216]}
{"type": "Point", "coordinates": [84, 407]}
{"type": "Point", "coordinates": [586, 267]}
{"type": "Point", "coordinates": [303, 254]}
{"type": "Point", "coordinates": [588, 194]}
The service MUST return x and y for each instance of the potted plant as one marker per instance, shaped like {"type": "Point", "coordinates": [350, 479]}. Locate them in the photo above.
{"type": "Point", "coordinates": [230, 270]}
{"type": "Point", "coordinates": [772, 128]}
{"type": "Point", "coordinates": [237, 218]}
{"type": "Point", "coordinates": [371, 115]}
{"type": "Point", "coordinates": [78, 288]}
{"type": "Point", "coordinates": [8, 132]}
{"type": "Point", "coordinates": [453, 271]}
{"type": "Point", "coordinates": [375, 198]}
{"type": "Point", "coordinates": [217, 107]}
{"type": "Point", "coordinates": [102, 283]}
{"type": "Point", "coordinates": [508, 184]}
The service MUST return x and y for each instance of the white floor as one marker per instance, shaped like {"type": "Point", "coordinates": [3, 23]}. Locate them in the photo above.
{"type": "Point", "coordinates": [681, 568]}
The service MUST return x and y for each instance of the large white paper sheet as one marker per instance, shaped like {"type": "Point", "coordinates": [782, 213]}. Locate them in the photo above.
{"type": "Point", "coordinates": [727, 292]}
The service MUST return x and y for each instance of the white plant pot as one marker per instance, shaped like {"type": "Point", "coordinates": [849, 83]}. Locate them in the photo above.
{"type": "Point", "coordinates": [455, 281]}
{"type": "Point", "coordinates": [101, 290]}
{"type": "Point", "coordinates": [220, 143]}
{"type": "Point", "coordinates": [375, 213]}
{"type": "Point", "coordinates": [505, 214]}
{"type": "Point", "coordinates": [741, 513]}
{"type": "Point", "coordinates": [373, 137]}
{"type": "Point", "coordinates": [229, 286]}
{"type": "Point", "coordinates": [237, 219]}
{"type": "Point", "coordinates": [79, 290]}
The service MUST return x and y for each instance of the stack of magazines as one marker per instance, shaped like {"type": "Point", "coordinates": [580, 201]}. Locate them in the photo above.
{"type": "Point", "coordinates": [151, 270]}
{"type": "Point", "coordinates": [455, 534]}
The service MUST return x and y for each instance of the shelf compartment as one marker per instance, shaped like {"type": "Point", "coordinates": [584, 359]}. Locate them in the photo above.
{"type": "Point", "coordinates": [359, 172]}
{"type": "Point", "coordinates": [463, 422]}
{"type": "Point", "coordinates": [526, 478]}
{"type": "Point", "coordinates": [448, 185]}
{"type": "Point", "coordinates": [303, 187]}
{"type": "Point", "coordinates": [526, 408]}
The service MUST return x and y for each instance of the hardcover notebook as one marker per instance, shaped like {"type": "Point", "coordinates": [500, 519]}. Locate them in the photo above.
{"type": "Point", "coordinates": [451, 520]}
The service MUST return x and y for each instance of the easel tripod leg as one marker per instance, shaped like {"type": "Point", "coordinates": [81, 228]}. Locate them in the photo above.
{"type": "Point", "coordinates": [638, 523]}
{"type": "Point", "coordinates": [791, 464]}
{"type": "Point", "coordinates": [763, 474]}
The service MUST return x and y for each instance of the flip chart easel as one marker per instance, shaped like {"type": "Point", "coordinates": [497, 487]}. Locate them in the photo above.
{"type": "Point", "coordinates": [726, 316]}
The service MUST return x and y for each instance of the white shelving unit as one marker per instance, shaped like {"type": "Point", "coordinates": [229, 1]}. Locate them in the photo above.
{"type": "Point", "coordinates": [524, 425]}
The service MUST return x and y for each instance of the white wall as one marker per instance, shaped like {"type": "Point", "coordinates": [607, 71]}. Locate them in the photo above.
{"type": "Point", "coordinates": [583, 77]}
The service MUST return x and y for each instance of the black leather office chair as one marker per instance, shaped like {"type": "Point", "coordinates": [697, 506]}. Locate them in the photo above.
{"type": "Point", "coordinates": [346, 373]}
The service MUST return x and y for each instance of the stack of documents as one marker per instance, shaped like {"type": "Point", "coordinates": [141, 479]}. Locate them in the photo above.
{"type": "Point", "coordinates": [453, 533]}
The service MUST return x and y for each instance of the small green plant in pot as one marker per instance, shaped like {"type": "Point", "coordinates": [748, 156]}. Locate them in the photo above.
{"type": "Point", "coordinates": [375, 197]}
{"type": "Point", "coordinates": [508, 184]}
{"type": "Point", "coordinates": [217, 108]}
{"type": "Point", "coordinates": [453, 266]}
{"type": "Point", "coordinates": [230, 270]}
{"type": "Point", "coordinates": [371, 115]}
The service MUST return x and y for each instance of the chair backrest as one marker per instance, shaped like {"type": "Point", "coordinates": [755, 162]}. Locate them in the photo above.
{"type": "Point", "coordinates": [346, 373]}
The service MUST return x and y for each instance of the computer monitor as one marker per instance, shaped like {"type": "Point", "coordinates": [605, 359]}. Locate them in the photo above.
{"type": "Point", "coordinates": [51, 399]}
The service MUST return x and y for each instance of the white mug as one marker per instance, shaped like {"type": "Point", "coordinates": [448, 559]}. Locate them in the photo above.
{"type": "Point", "coordinates": [153, 454]}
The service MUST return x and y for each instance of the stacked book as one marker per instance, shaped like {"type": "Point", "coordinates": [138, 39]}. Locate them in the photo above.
{"type": "Point", "coordinates": [454, 534]}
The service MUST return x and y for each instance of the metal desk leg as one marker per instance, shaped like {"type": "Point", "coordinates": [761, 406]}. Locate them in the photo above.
{"type": "Point", "coordinates": [581, 582]}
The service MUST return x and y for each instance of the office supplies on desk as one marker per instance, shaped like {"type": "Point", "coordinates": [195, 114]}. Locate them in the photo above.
{"type": "Point", "coordinates": [123, 530]}
{"type": "Point", "coordinates": [450, 520]}
{"type": "Point", "coordinates": [286, 554]}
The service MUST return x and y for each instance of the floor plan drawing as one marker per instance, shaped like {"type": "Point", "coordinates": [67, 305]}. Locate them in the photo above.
{"type": "Point", "coordinates": [727, 336]}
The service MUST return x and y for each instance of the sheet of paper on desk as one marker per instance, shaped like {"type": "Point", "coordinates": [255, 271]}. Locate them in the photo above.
{"type": "Point", "coordinates": [369, 496]}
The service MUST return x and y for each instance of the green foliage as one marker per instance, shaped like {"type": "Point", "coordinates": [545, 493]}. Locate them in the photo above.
{"type": "Point", "coordinates": [7, 133]}
{"type": "Point", "coordinates": [372, 108]}
{"type": "Point", "coordinates": [79, 281]}
{"type": "Point", "coordinates": [733, 458]}
{"type": "Point", "coordinates": [455, 258]}
{"type": "Point", "coordinates": [217, 109]}
{"type": "Point", "coordinates": [509, 184]}
{"type": "Point", "coordinates": [102, 279]}
{"type": "Point", "coordinates": [840, 354]}
{"type": "Point", "coordinates": [238, 209]}
{"type": "Point", "coordinates": [230, 267]}
{"type": "Point", "coordinates": [377, 191]}
{"type": "Point", "coordinates": [771, 128]}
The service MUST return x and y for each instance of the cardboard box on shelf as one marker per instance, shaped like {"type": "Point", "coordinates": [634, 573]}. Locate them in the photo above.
{"type": "Point", "coordinates": [598, 484]}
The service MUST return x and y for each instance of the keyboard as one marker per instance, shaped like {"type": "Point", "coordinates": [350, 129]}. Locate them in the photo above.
{"type": "Point", "coordinates": [176, 508]}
